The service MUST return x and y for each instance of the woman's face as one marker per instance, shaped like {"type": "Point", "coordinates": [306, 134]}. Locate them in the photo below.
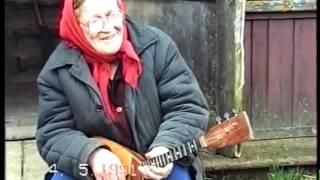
{"type": "Point", "coordinates": [102, 24]}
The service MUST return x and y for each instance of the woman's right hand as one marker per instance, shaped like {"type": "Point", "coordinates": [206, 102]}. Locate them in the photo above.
{"type": "Point", "coordinates": [106, 165]}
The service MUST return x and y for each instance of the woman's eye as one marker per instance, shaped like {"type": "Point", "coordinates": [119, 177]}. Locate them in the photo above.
{"type": "Point", "coordinates": [95, 20]}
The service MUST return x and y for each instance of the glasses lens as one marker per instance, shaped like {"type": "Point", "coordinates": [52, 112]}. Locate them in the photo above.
{"type": "Point", "coordinates": [95, 25]}
{"type": "Point", "coordinates": [114, 17]}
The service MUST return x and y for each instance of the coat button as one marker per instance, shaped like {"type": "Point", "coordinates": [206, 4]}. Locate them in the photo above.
{"type": "Point", "coordinates": [119, 109]}
{"type": "Point", "coordinates": [98, 107]}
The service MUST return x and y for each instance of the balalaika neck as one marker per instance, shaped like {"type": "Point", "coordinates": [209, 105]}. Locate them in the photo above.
{"type": "Point", "coordinates": [175, 153]}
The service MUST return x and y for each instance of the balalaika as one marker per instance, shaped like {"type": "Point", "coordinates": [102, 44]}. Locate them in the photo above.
{"type": "Point", "coordinates": [232, 131]}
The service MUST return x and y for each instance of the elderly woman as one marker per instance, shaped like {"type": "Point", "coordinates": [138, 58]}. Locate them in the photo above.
{"type": "Point", "coordinates": [116, 78]}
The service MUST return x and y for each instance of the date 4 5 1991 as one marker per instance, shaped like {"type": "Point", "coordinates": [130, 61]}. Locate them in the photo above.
{"type": "Point", "coordinates": [111, 170]}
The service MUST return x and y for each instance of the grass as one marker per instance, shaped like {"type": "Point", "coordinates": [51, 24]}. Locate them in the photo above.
{"type": "Point", "coordinates": [278, 173]}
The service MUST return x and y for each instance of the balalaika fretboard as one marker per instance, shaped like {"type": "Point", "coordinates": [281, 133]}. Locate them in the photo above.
{"type": "Point", "coordinates": [174, 154]}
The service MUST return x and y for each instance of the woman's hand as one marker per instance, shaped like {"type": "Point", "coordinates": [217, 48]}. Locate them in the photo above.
{"type": "Point", "coordinates": [153, 172]}
{"type": "Point", "coordinates": [106, 165]}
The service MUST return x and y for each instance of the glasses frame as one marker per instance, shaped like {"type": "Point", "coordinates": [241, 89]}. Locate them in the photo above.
{"type": "Point", "coordinates": [100, 22]}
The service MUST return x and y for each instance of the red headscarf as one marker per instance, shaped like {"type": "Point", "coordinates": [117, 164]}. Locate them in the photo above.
{"type": "Point", "coordinates": [71, 32]}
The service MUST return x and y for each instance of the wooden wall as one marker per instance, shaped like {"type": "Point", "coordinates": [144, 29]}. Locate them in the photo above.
{"type": "Point", "coordinates": [280, 76]}
{"type": "Point", "coordinates": [205, 41]}
{"type": "Point", "coordinates": [22, 35]}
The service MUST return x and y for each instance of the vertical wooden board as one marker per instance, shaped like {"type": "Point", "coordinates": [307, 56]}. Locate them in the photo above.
{"type": "Point", "coordinates": [280, 73]}
{"type": "Point", "coordinates": [196, 36]}
{"type": "Point", "coordinates": [33, 165]}
{"type": "Point", "coordinates": [304, 73]}
{"type": "Point", "coordinates": [13, 161]}
{"type": "Point", "coordinates": [259, 73]}
{"type": "Point", "coordinates": [247, 70]}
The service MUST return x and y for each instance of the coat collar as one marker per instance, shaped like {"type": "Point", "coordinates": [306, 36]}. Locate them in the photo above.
{"type": "Point", "coordinates": [141, 37]}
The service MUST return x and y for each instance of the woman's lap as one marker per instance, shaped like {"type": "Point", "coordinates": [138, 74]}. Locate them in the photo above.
{"type": "Point", "coordinates": [178, 172]}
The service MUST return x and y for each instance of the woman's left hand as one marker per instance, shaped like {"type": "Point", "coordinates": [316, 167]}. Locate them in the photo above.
{"type": "Point", "coordinates": [153, 172]}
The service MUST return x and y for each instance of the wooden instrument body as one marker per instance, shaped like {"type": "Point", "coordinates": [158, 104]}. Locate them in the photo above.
{"type": "Point", "coordinates": [130, 159]}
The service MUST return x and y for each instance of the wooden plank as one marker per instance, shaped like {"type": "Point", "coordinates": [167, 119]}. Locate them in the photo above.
{"type": "Point", "coordinates": [287, 132]}
{"type": "Point", "coordinates": [21, 133]}
{"type": "Point", "coordinates": [259, 74]}
{"type": "Point", "coordinates": [280, 73]}
{"type": "Point", "coordinates": [29, 2]}
{"type": "Point", "coordinates": [21, 103]}
{"type": "Point", "coordinates": [281, 6]}
{"type": "Point", "coordinates": [248, 61]}
{"type": "Point", "coordinates": [277, 15]}
{"type": "Point", "coordinates": [305, 73]}
{"type": "Point", "coordinates": [23, 18]}
{"type": "Point", "coordinates": [265, 154]}
{"type": "Point", "coordinates": [13, 160]}
{"type": "Point", "coordinates": [33, 165]}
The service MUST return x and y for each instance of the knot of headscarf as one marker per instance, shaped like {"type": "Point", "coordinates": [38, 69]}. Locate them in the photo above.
{"type": "Point", "coordinates": [71, 32]}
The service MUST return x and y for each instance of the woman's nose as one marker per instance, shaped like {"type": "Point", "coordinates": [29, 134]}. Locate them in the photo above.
{"type": "Point", "coordinates": [107, 26]}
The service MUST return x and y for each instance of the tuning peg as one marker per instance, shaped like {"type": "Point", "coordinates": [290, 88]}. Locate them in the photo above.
{"type": "Point", "coordinates": [233, 112]}
{"type": "Point", "coordinates": [218, 119]}
{"type": "Point", "coordinates": [226, 115]}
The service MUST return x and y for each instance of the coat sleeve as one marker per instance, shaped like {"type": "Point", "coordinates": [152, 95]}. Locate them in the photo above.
{"type": "Point", "coordinates": [58, 140]}
{"type": "Point", "coordinates": [184, 108]}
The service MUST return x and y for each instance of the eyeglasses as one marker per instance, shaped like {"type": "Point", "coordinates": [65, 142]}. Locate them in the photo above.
{"type": "Point", "coordinates": [96, 24]}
